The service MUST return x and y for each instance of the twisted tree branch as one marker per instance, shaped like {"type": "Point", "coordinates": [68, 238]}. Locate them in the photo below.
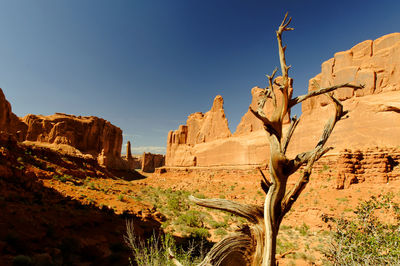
{"type": "Point", "coordinates": [311, 157]}
{"type": "Point", "coordinates": [293, 125]}
{"type": "Point", "coordinates": [271, 88]}
{"type": "Point", "coordinates": [250, 212]}
{"type": "Point", "coordinates": [320, 91]}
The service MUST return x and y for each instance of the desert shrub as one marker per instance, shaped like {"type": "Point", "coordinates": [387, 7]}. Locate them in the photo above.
{"type": "Point", "coordinates": [221, 232]}
{"type": "Point", "coordinates": [191, 218]}
{"type": "Point", "coordinates": [199, 233]}
{"type": "Point", "coordinates": [283, 245]}
{"type": "Point", "coordinates": [303, 229]}
{"type": "Point", "coordinates": [177, 200]}
{"type": "Point", "coordinates": [215, 224]}
{"type": "Point", "coordinates": [155, 251]}
{"type": "Point", "coordinates": [366, 240]}
{"type": "Point", "coordinates": [63, 178]}
{"type": "Point", "coordinates": [91, 186]}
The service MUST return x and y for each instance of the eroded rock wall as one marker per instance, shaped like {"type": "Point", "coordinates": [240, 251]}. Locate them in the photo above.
{"type": "Point", "coordinates": [379, 165]}
{"type": "Point", "coordinates": [374, 111]}
{"type": "Point", "coordinates": [375, 64]}
{"type": "Point", "coordinates": [90, 135]}
{"type": "Point", "coordinates": [199, 128]}
{"type": "Point", "coordinates": [152, 161]}
{"type": "Point", "coordinates": [373, 120]}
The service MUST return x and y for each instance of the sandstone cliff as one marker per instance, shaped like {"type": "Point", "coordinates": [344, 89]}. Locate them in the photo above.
{"type": "Point", "coordinates": [205, 140]}
{"type": "Point", "coordinates": [374, 117]}
{"type": "Point", "coordinates": [376, 64]}
{"type": "Point", "coordinates": [90, 135]}
{"type": "Point", "coordinates": [199, 128]}
{"type": "Point", "coordinates": [73, 134]}
{"type": "Point", "coordinates": [374, 111]}
{"type": "Point", "coordinates": [152, 161]}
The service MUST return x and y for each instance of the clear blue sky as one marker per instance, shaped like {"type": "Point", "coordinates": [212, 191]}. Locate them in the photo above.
{"type": "Point", "coordinates": [146, 65]}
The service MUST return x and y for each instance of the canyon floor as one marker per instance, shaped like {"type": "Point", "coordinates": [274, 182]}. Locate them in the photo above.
{"type": "Point", "coordinates": [63, 209]}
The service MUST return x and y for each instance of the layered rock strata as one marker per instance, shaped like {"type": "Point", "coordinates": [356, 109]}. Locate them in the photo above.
{"type": "Point", "coordinates": [378, 165]}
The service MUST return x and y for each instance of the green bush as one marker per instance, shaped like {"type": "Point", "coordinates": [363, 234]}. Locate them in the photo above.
{"type": "Point", "coordinates": [191, 218]}
{"type": "Point", "coordinates": [63, 178]}
{"type": "Point", "coordinates": [303, 229]}
{"type": "Point", "coordinates": [366, 240]}
{"type": "Point", "coordinates": [221, 232]}
{"type": "Point", "coordinates": [199, 233]}
{"type": "Point", "coordinates": [215, 224]}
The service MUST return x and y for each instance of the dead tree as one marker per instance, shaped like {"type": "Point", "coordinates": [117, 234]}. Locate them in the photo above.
{"type": "Point", "coordinates": [255, 244]}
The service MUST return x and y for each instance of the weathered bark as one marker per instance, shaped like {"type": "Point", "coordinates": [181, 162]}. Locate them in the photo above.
{"type": "Point", "coordinates": [256, 244]}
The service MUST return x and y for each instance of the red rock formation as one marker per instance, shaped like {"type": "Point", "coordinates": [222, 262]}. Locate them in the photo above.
{"type": "Point", "coordinates": [152, 161]}
{"type": "Point", "coordinates": [9, 122]}
{"type": "Point", "coordinates": [178, 152]}
{"type": "Point", "coordinates": [374, 117]}
{"type": "Point", "coordinates": [375, 64]}
{"type": "Point", "coordinates": [374, 111]}
{"type": "Point", "coordinates": [373, 165]}
{"type": "Point", "coordinates": [208, 127]}
{"type": "Point", "coordinates": [128, 150]}
{"type": "Point", "coordinates": [131, 162]}
{"type": "Point", "coordinates": [206, 140]}
{"type": "Point", "coordinates": [90, 135]}
{"type": "Point", "coordinates": [199, 128]}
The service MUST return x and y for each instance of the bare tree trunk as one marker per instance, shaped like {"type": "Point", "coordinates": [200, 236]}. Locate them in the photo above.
{"type": "Point", "coordinates": [255, 244]}
{"type": "Point", "coordinates": [271, 233]}
{"type": "Point", "coordinates": [272, 206]}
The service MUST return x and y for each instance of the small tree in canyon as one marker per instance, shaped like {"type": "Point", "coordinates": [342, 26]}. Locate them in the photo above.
{"type": "Point", "coordinates": [255, 244]}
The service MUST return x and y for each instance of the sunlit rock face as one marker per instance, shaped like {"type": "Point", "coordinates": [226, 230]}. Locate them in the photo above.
{"type": "Point", "coordinates": [373, 120]}
{"type": "Point", "coordinates": [199, 129]}
{"type": "Point", "coordinates": [374, 111]}
{"type": "Point", "coordinates": [88, 134]}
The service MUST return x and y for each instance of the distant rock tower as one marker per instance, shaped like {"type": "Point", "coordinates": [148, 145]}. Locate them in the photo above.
{"type": "Point", "coordinates": [128, 151]}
